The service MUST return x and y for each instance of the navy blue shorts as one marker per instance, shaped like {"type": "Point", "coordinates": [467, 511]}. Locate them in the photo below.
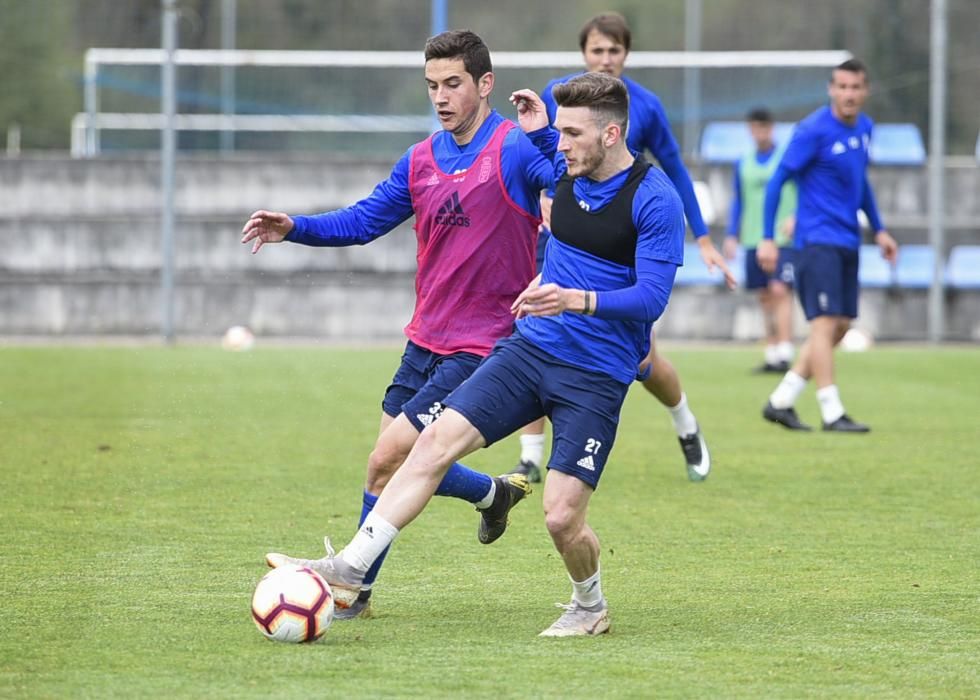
{"type": "Point", "coordinates": [423, 380]}
{"type": "Point", "coordinates": [757, 278]}
{"type": "Point", "coordinates": [827, 281]}
{"type": "Point", "coordinates": [519, 383]}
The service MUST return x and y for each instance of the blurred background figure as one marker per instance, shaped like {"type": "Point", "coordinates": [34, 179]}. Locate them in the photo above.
{"type": "Point", "coordinates": [752, 174]}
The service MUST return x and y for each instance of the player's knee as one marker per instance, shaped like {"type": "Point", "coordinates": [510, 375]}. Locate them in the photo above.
{"type": "Point", "coordinates": [383, 462]}
{"type": "Point", "coordinates": [562, 523]}
{"type": "Point", "coordinates": [432, 445]}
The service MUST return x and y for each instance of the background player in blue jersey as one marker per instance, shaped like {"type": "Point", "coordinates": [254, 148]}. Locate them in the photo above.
{"type": "Point", "coordinates": [490, 174]}
{"type": "Point", "coordinates": [751, 174]}
{"type": "Point", "coordinates": [582, 327]}
{"type": "Point", "coordinates": [828, 158]}
{"type": "Point", "coordinates": [605, 42]}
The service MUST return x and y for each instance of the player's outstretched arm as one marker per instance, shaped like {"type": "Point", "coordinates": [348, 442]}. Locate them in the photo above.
{"type": "Point", "coordinates": [531, 112]}
{"type": "Point", "coordinates": [266, 227]}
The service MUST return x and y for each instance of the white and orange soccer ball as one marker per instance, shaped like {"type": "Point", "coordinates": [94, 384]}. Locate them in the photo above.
{"type": "Point", "coordinates": [292, 604]}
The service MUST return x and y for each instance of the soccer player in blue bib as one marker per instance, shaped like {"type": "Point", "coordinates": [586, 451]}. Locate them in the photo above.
{"type": "Point", "coordinates": [828, 158]}
{"type": "Point", "coordinates": [583, 326]}
{"type": "Point", "coordinates": [605, 43]}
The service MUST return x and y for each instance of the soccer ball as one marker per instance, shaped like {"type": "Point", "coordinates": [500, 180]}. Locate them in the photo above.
{"type": "Point", "coordinates": [292, 604]}
{"type": "Point", "coordinates": [856, 340]}
{"type": "Point", "coordinates": [238, 339]}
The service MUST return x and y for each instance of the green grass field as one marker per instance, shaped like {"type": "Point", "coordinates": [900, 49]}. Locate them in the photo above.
{"type": "Point", "coordinates": [141, 488]}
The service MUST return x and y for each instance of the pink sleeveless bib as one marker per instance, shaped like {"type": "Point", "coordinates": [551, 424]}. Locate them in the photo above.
{"type": "Point", "coordinates": [475, 251]}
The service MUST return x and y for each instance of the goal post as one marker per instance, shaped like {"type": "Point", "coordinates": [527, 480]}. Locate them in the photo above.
{"type": "Point", "coordinates": [518, 68]}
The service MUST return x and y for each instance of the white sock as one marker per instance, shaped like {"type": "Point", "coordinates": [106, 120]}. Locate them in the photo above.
{"type": "Point", "coordinates": [375, 534]}
{"type": "Point", "coordinates": [684, 421]}
{"type": "Point", "coordinates": [532, 449]}
{"type": "Point", "coordinates": [788, 391]}
{"type": "Point", "coordinates": [830, 406]}
{"type": "Point", "coordinates": [487, 500]}
{"type": "Point", "coordinates": [587, 593]}
{"type": "Point", "coordinates": [772, 354]}
{"type": "Point", "coordinates": [784, 351]}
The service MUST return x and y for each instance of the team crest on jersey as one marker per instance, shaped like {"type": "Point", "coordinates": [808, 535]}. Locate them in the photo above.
{"type": "Point", "coordinates": [485, 166]}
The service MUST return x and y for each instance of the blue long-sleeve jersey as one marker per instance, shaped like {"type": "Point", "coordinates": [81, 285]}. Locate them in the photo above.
{"type": "Point", "coordinates": [650, 130]}
{"type": "Point", "coordinates": [628, 298]}
{"type": "Point", "coordinates": [829, 160]}
{"type": "Point", "coordinates": [525, 171]}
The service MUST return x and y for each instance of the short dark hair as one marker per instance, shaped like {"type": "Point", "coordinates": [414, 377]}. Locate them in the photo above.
{"type": "Point", "coordinates": [612, 24]}
{"type": "Point", "coordinates": [759, 114]}
{"type": "Point", "coordinates": [851, 65]}
{"type": "Point", "coordinates": [461, 43]}
{"type": "Point", "coordinates": [605, 95]}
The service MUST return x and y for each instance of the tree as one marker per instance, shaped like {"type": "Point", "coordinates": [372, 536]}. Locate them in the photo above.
{"type": "Point", "coordinates": [40, 92]}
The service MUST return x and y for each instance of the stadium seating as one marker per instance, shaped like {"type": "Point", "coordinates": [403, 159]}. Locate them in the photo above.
{"type": "Point", "coordinates": [914, 269]}
{"type": "Point", "coordinates": [726, 142]}
{"type": "Point", "coordinates": [897, 144]}
{"type": "Point", "coordinates": [891, 144]}
{"type": "Point", "coordinates": [963, 267]}
{"type": "Point", "coordinates": [873, 270]}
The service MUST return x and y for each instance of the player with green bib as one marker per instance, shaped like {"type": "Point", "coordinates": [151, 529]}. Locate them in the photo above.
{"type": "Point", "coordinates": [752, 173]}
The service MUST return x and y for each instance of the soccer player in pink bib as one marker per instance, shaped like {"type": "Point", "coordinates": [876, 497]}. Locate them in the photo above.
{"type": "Point", "coordinates": [473, 189]}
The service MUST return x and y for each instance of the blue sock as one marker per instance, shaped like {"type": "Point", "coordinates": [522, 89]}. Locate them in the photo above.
{"type": "Point", "coordinates": [367, 507]}
{"type": "Point", "coordinates": [462, 482]}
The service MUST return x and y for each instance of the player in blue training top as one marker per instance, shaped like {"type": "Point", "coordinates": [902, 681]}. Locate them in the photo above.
{"type": "Point", "coordinates": [828, 158]}
{"type": "Point", "coordinates": [605, 43]}
{"type": "Point", "coordinates": [473, 189]}
{"type": "Point", "coordinates": [582, 327]}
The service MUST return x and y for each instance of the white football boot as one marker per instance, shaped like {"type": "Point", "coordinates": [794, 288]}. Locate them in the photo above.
{"type": "Point", "coordinates": [345, 581]}
{"type": "Point", "coordinates": [577, 621]}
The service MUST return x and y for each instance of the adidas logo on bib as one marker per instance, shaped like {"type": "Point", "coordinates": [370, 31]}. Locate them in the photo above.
{"type": "Point", "coordinates": [586, 463]}
{"type": "Point", "coordinates": [451, 213]}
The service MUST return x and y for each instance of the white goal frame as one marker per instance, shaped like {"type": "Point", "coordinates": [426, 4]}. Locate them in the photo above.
{"type": "Point", "coordinates": [85, 127]}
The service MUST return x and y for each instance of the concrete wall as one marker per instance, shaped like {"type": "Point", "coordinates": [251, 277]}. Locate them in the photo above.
{"type": "Point", "coordinates": [80, 252]}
